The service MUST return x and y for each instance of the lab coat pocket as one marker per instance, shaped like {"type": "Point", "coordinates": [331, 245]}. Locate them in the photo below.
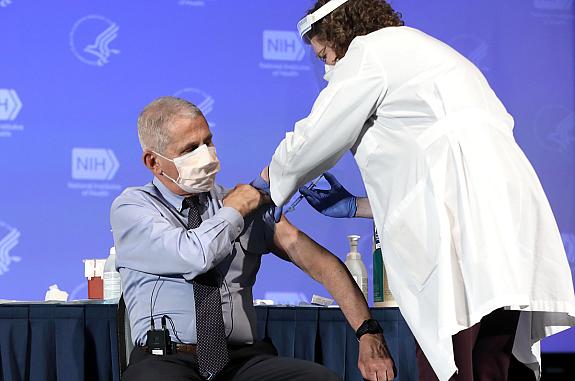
{"type": "Point", "coordinates": [413, 236]}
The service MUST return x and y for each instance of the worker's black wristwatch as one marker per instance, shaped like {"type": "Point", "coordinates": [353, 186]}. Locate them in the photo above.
{"type": "Point", "coordinates": [368, 326]}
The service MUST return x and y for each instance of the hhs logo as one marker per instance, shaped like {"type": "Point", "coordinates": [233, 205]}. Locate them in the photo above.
{"type": "Point", "coordinates": [9, 238]}
{"type": "Point", "coordinates": [10, 104]}
{"type": "Point", "coordinates": [94, 164]}
{"type": "Point", "coordinates": [553, 5]}
{"type": "Point", "coordinates": [555, 128]}
{"type": "Point", "coordinates": [91, 37]}
{"type": "Point", "coordinates": [474, 48]}
{"type": "Point", "coordinates": [282, 46]}
{"type": "Point", "coordinates": [201, 99]}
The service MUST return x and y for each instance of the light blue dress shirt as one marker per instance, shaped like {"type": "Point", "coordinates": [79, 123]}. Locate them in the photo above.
{"type": "Point", "coordinates": [155, 248]}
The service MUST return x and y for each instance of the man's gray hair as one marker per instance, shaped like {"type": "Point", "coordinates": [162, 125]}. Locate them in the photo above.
{"type": "Point", "coordinates": [156, 117]}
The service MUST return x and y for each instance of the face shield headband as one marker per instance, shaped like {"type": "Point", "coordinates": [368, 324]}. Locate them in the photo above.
{"type": "Point", "coordinates": [305, 24]}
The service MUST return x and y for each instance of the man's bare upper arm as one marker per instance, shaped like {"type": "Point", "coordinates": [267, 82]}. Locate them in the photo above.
{"type": "Point", "coordinates": [281, 240]}
{"type": "Point", "coordinates": [295, 246]}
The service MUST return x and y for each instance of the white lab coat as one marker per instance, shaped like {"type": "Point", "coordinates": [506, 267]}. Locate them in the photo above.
{"type": "Point", "coordinates": [465, 225]}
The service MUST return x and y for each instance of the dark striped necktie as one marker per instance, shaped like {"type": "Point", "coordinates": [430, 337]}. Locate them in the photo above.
{"type": "Point", "coordinates": [211, 348]}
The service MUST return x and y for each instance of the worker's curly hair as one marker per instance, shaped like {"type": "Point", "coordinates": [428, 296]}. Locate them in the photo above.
{"type": "Point", "coordinates": [352, 19]}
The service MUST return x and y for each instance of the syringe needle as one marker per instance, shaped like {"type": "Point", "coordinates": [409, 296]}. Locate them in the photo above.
{"type": "Point", "coordinates": [298, 200]}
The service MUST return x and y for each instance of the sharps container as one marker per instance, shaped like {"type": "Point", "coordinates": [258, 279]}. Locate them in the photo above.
{"type": "Point", "coordinates": [94, 272]}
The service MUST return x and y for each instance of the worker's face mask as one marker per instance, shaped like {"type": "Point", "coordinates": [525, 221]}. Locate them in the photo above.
{"type": "Point", "coordinates": [196, 170]}
{"type": "Point", "coordinates": [328, 71]}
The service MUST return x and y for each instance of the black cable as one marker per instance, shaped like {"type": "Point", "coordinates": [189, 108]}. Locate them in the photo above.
{"type": "Point", "coordinates": [230, 298]}
{"type": "Point", "coordinates": [174, 328]}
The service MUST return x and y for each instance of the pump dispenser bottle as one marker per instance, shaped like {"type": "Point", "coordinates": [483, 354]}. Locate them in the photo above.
{"type": "Point", "coordinates": [355, 265]}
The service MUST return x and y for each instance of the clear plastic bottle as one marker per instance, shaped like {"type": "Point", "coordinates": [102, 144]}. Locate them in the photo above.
{"type": "Point", "coordinates": [112, 280]}
{"type": "Point", "coordinates": [355, 264]}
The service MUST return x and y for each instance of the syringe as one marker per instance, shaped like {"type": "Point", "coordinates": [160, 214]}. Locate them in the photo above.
{"type": "Point", "coordinates": [293, 205]}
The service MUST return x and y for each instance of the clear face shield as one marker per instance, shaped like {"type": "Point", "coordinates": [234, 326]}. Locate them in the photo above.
{"type": "Point", "coordinates": [321, 71]}
{"type": "Point", "coordinates": [304, 25]}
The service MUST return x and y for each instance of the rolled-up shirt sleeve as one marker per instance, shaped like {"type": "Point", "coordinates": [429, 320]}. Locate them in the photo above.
{"type": "Point", "coordinates": [355, 91]}
{"type": "Point", "coordinates": [149, 242]}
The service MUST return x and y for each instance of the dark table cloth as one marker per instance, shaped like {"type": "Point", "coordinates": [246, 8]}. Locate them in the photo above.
{"type": "Point", "coordinates": [45, 342]}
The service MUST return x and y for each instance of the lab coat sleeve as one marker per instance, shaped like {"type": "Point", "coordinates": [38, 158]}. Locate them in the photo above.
{"type": "Point", "coordinates": [356, 89]}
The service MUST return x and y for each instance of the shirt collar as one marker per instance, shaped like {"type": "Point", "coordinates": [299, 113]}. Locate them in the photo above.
{"type": "Point", "coordinates": [174, 199]}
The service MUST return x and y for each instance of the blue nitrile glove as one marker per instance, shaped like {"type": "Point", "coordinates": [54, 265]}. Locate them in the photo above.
{"type": "Point", "coordinates": [335, 202]}
{"type": "Point", "coordinates": [260, 184]}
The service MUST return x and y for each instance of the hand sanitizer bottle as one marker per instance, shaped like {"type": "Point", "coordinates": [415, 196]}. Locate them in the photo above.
{"type": "Point", "coordinates": [355, 265]}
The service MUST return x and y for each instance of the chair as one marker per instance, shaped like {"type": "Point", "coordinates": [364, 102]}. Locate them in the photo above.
{"type": "Point", "coordinates": [125, 344]}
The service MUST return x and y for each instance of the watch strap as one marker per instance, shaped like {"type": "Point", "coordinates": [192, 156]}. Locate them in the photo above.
{"type": "Point", "coordinates": [368, 326]}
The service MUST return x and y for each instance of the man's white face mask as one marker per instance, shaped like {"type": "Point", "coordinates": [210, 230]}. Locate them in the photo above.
{"type": "Point", "coordinates": [196, 170]}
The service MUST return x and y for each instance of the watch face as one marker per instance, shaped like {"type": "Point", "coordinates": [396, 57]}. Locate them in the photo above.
{"type": "Point", "coordinates": [373, 327]}
{"type": "Point", "coordinates": [369, 326]}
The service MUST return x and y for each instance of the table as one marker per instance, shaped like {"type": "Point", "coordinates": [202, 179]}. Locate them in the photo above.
{"type": "Point", "coordinates": [79, 341]}
{"type": "Point", "coordinates": [322, 335]}
{"type": "Point", "coordinates": [58, 342]}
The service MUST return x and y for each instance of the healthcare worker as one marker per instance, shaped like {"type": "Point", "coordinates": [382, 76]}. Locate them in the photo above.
{"type": "Point", "coordinates": [472, 250]}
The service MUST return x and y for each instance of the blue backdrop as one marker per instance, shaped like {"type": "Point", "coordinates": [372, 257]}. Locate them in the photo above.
{"type": "Point", "coordinates": [75, 74]}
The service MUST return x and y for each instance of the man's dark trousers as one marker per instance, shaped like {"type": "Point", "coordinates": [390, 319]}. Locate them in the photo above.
{"type": "Point", "coordinates": [247, 363]}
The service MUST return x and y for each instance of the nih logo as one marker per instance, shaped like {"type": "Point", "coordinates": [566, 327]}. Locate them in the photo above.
{"type": "Point", "coordinates": [10, 104]}
{"type": "Point", "coordinates": [282, 46]}
{"type": "Point", "coordinates": [94, 164]}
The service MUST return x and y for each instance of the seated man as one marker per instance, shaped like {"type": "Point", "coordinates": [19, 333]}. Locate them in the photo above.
{"type": "Point", "coordinates": [189, 251]}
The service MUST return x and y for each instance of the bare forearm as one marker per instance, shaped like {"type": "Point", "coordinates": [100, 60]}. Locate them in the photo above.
{"type": "Point", "coordinates": [327, 269]}
{"type": "Point", "coordinates": [338, 281]}
{"type": "Point", "coordinates": [363, 208]}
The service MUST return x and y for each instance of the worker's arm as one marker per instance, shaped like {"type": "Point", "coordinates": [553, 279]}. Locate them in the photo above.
{"type": "Point", "coordinates": [363, 208]}
{"type": "Point", "coordinates": [339, 115]}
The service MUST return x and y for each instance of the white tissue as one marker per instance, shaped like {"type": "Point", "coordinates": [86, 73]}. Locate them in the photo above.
{"type": "Point", "coordinates": [322, 301]}
{"type": "Point", "coordinates": [263, 302]}
{"type": "Point", "coordinates": [54, 294]}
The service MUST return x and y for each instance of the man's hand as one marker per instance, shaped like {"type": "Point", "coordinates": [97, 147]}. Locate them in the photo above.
{"type": "Point", "coordinates": [245, 199]}
{"type": "Point", "coordinates": [334, 202]}
{"type": "Point", "coordinates": [375, 362]}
